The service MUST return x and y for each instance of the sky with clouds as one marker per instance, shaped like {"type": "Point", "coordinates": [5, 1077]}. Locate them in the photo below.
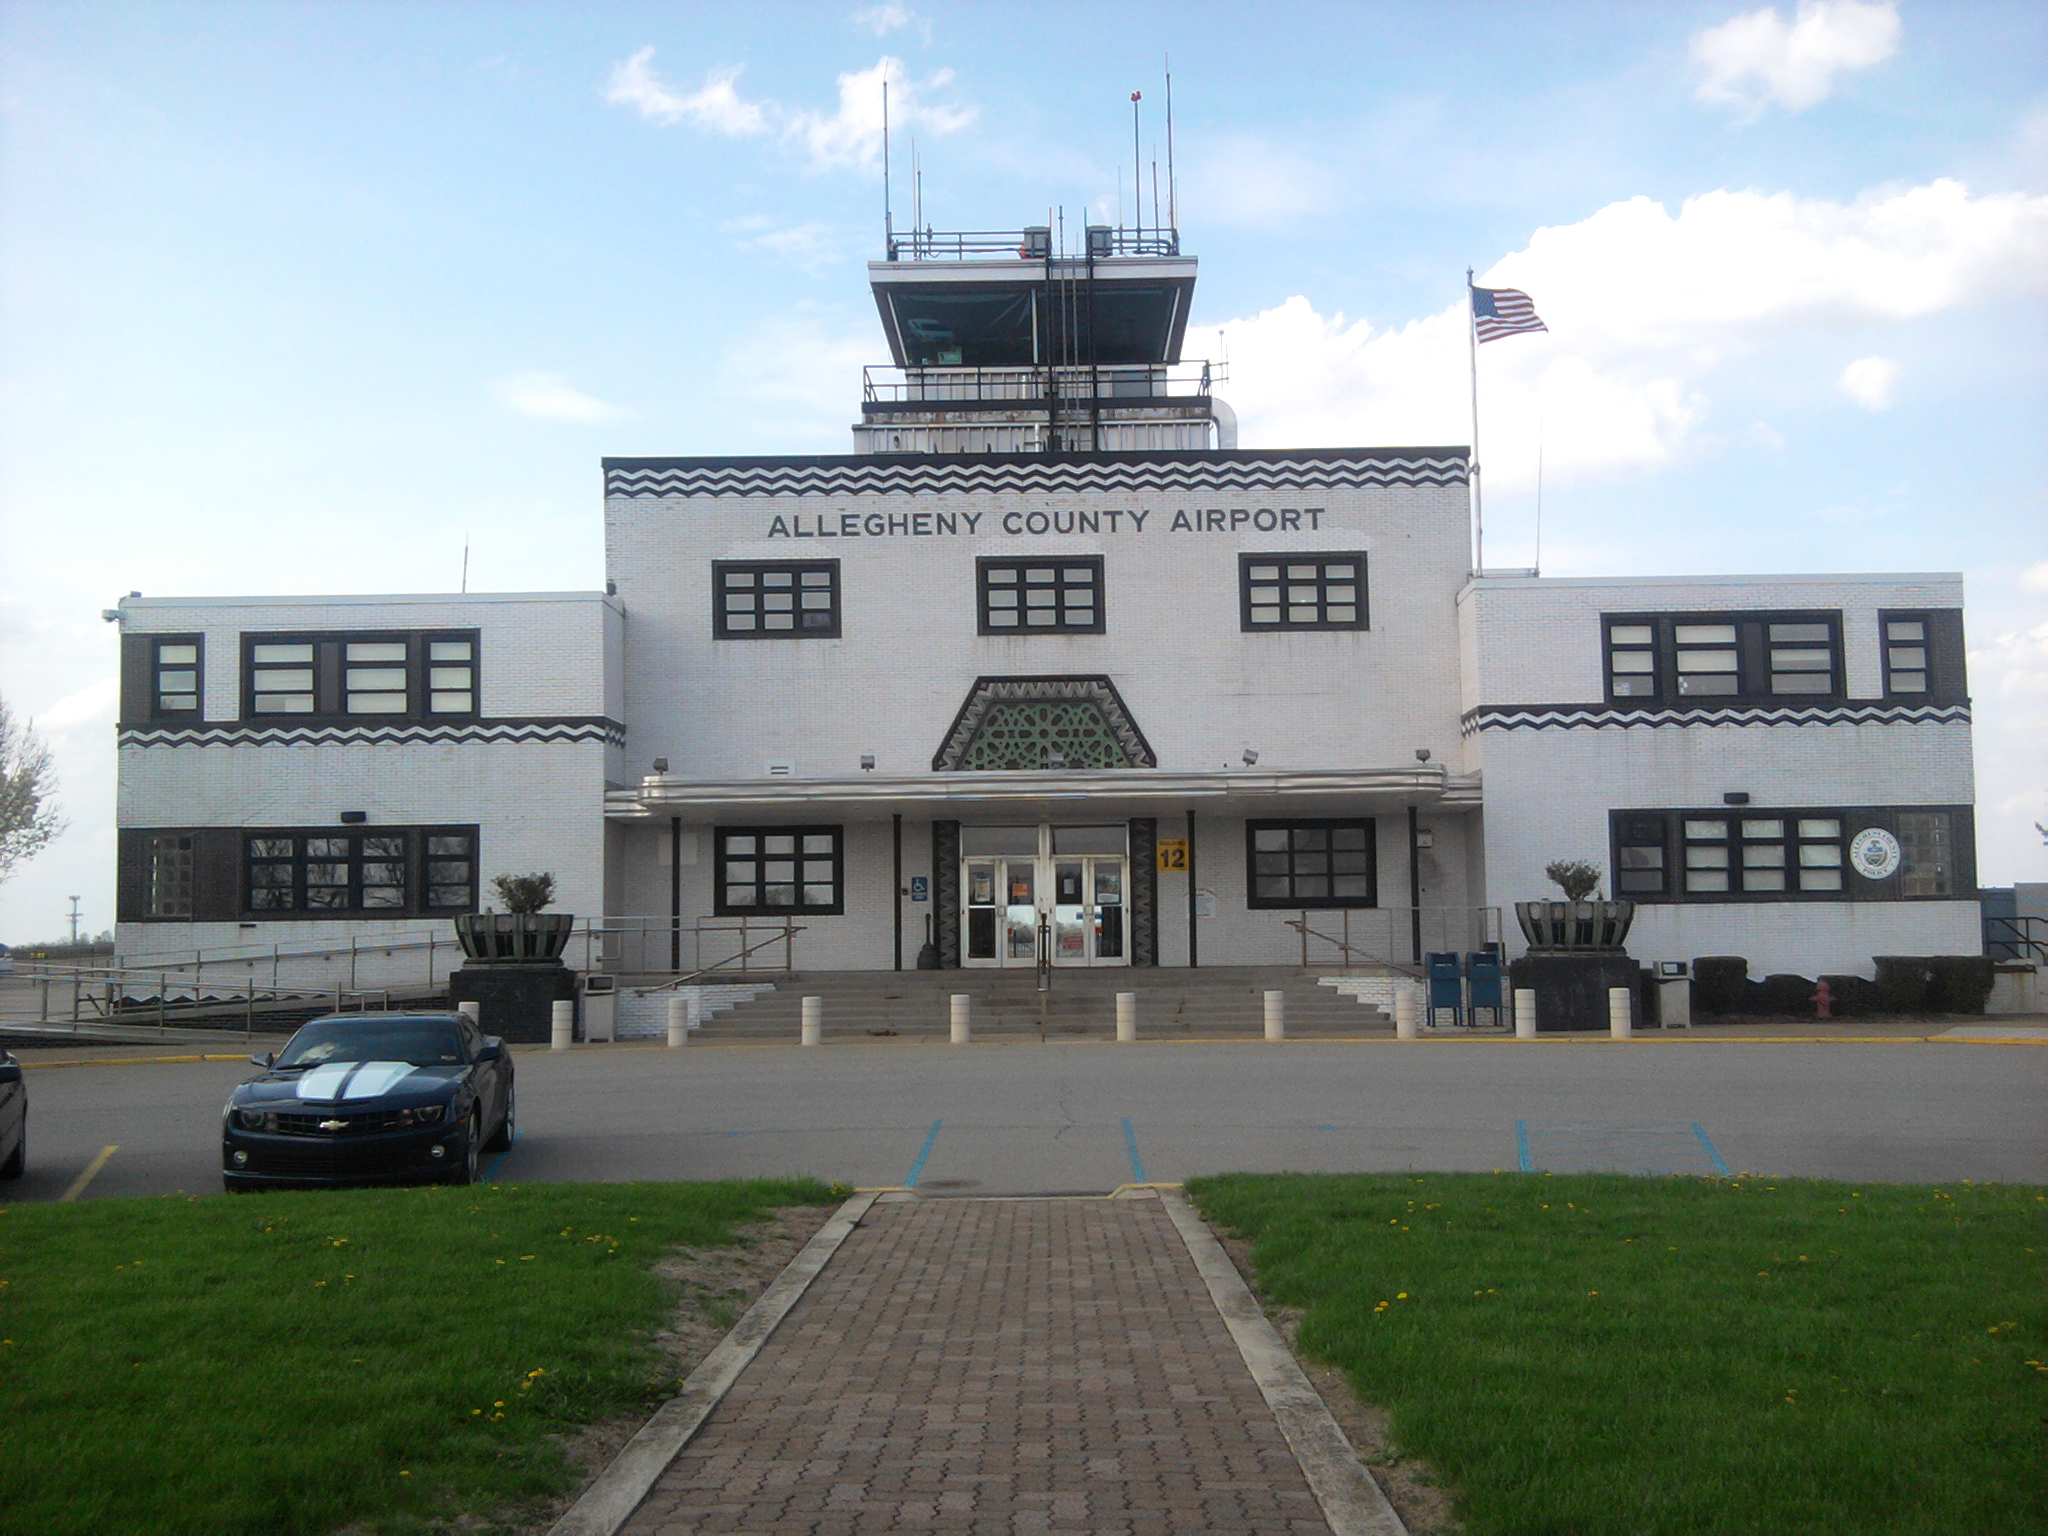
{"type": "Point", "coordinates": [304, 298]}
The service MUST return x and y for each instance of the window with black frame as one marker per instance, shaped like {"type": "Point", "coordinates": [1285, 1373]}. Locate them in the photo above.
{"type": "Point", "coordinates": [1310, 863]}
{"type": "Point", "coordinates": [170, 874]}
{"type": "Point", "coordinates": [1302, 591]}
{"type": "Point", "coordinates": [1022, 597]}
{"type": "Point", "coordinates": [387, 675]}
{"type": "Point", "coordinates": [374, 872]}
{"type": "Point", "coordinates": [1722, 657]}
{"type": "Point", "coordinates": [778, 600]}
{"type": "Point", "coordinates": [175, 675]}
{"type": "Point", "coordinates": [1905, 653]}
{"type": "Point", "coordinates": [778, 870]}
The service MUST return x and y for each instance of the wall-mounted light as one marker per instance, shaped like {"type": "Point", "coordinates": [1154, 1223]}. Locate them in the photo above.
{"type": "Point", "coordinates": [1056, 759]}
{"type": "Point", "coordinates": [1422, 754]}
{"type": "Point", "coordinates": [354, 818]}
{"type": "Point", "coordinates": [661, 765]}
{"type": "Point", "coordinates": [867, 762]}
{"type": "Point", "coordinates": [1736, 797]}
{"type": "Point", "coordinates": [1250, 757]}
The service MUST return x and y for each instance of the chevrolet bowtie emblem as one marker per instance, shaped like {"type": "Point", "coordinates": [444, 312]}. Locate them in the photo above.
{"type": "Point", "coordinates": [333, 1125]}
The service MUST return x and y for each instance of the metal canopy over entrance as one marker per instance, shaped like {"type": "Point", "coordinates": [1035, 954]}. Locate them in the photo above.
{"type": "Point", "coordinates": [1054, 895]}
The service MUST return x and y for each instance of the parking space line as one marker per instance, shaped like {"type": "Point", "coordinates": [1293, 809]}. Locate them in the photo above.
{"type": "Point", "coordinates": [498, 1162]}
{"type": "Point", "coordinates": [1131, 1142]}
{"type": "Point", "coordinates": [1715, 1157]}
{"type": "Point", "coordinates": [917, 1167]}
{"type": "Point", "coordinates": [1522, 1145]}
{"type": "Point", "coordinates": [92, 1171]}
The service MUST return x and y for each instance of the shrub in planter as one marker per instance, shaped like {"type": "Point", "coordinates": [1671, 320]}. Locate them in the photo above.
{"type": "Point", "coordinates": [1855, 997]}
{"type": "Point", "coordinates": [1786, 995]}
{"type": "Point", "coordinates": [1718, 983]}
{"type": "Point", "coordinates": [1959, 983]}
{"type": "Point", "coordinates": [1901, 984]}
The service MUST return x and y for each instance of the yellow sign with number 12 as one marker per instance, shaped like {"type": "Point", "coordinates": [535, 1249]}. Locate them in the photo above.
{"type": "Point", "coordinates": [1173, 853]}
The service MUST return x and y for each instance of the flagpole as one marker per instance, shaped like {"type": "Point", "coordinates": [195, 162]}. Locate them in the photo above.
{"type": "Point", "coordinates": [1478, 507]}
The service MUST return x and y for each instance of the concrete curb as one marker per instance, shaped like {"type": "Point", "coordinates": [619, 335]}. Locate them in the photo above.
{"type": "Point", "coordinates": [1351, 1501]}
{"type": "Point", "coordinates": [608, 1503]}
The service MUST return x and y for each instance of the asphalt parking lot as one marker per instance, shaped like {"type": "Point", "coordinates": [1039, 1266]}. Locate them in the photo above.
{"type": "Point", "coordinates": [1031, 1118]}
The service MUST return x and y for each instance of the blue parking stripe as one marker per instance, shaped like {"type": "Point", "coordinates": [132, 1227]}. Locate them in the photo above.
{"type": "Point", "coordinates": [917, 1167]}
{"type": "Point", "coordinates": [1131, 1142]}
{"type": "Point", "coordinates": [1522, 1145]}
{"type": "Point", "coordinates": [1719, 1167]}
{"type": "Point", "coordinates": [491, 1174]}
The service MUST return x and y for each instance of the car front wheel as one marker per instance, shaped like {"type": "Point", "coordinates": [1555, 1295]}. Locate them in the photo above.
{"type": "Point", "coordinates": [501, 1141]}
{"type": "Point", "coordinates": [472, 1147]}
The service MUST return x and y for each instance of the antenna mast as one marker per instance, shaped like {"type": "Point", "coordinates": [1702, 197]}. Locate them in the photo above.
{"type": "Point", "coordinates": [888, 223]}
{"type": "Point", "coordinates": [1172, 191]}
{"type": "Point", "coordinates": [1137, 164]}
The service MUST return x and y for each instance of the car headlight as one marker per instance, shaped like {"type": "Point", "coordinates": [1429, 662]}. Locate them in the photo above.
{"type": "Point", "coordinates": [424, 1114]}
{"type": "Point", "coordinates": [255, 1120]}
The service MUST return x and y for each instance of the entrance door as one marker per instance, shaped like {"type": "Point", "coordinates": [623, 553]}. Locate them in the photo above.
{"type": "Point", "coordinates": [1060, 888]}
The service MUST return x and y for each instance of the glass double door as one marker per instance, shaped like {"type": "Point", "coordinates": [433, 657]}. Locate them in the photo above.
{"type": "Point", "coordinates": [1056, 894]}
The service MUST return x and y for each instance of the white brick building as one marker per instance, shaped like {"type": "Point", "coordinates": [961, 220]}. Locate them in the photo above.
{"type": "Point", "coordinates": [1053, 669]}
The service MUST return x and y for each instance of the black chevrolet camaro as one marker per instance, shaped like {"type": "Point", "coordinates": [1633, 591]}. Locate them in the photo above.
{"type": "Point", "coordinates": [371, 1098]}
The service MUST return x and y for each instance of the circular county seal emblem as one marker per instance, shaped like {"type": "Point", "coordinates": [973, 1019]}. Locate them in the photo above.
{"type": "Point", "coordinates": [1874, 853]}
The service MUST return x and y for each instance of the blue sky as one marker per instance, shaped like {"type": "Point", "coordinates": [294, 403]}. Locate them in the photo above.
{"type": "Point", "coordinates": [298, 298]}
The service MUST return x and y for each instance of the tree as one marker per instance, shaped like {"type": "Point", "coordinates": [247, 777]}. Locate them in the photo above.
{"type": "Point", "coordinates": [525, 893]}
{"type": "Point", "coordinates": [1575, 877]}
{"type": "Point", "coordinates": [28, 811]}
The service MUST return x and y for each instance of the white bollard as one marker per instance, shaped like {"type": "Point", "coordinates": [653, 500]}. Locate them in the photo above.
{"type": "Point", "coordinates": [1618, 1021]}
{"type": "Point", "coordinates": [1276, 1015]}
{"type": "Point", "coordinates": [1525, 1014]}
{"type": "Point", "coordinates": [963, 1018]}
{"type": "Point", "coordinates": [563, 1033]}
{"type": "Point", "coordinates": [474, 1012]}
{"type": "Point", "coordinates": [678, 1021]}
{"type": "Point", "coordinates": [814, 1020]}
{"type": "Point", "coordinates": [1407, 1004]}
{"type": "Point", "coordinates": [1126, 1017]}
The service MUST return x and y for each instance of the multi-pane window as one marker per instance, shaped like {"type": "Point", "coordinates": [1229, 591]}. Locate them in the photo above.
{"type": "Point", "coordinates": [170, 874]}
{"type": "Point", "coordinates": [281, 677]}
{"type": "Point", "coordinates": [779, 601]}
{"type": "Point", "coordinates": [1314, 591]}
{"type": "Point", "coordinates": [451, 677]}
{"type": "Point", "coordinates": [779, 870]}
{"type": "Point", "coordinates": [1632, 661]}
{"type": "Point", "coordinates": [1905, 655]}
{"type": "Point", "coordinates": [1316, 863]}
{"type": "Point", "coordinates": [1041, 596]}
{"type": "Point", "coordinates": [175, 676]}
{"type": "Point", "coordinates": [405, 674]}
{"type": "Point", "coordinates": [367, 872]}
{"type": "Point", "coordinates": [1753, 854]}
{"type": "Point", "coordinates": [1926, 854]}
{"type": "Point", "coordinates": [1723, 656]}
{"type": "Point", "coordinates": [1639, 857]}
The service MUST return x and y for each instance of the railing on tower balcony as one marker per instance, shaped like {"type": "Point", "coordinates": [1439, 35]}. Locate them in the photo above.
{"type": "Point", "coordinates": [1027, 244]}
{"type": "Point", "coordinates": [884, 386]}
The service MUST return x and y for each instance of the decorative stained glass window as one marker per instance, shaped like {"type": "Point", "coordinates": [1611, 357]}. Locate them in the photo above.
{"type": "Point", "coordinates": [1022, 597]}
{"type": "Point", "coordinates": [1024, 734]}
{"type": "Point", "coordinates": [758, 600]}
{"type": "Point", "coordinates": [1307, 591]}
{"type": "Point", "coordinates": [779, 871]}
{"type": "Point", "coordinates": [1317, 863]}
{"type": "Point", "coordinates": [170, 875]}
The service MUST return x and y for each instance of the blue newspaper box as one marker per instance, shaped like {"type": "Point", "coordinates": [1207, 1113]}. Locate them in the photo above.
{"type": "Point", "coordinates": [1446, 990]}
{"type": "Point", "coordinates": [1483, 968]}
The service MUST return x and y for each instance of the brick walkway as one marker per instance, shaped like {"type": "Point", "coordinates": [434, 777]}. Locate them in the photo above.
{"type": "Point", "coordinates": [984, 1366]}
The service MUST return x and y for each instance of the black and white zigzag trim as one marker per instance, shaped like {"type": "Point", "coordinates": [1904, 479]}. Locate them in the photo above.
{"type": "Point", "coordinates": [1600, 717]}
{"type": "Point", "coordinates": [532, 730]}
{"type": "Point", "coordinates": [1318, 469]}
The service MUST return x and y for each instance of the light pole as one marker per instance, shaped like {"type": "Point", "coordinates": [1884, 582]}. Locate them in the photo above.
{"type": "Point", "coordinates": [74, 919]}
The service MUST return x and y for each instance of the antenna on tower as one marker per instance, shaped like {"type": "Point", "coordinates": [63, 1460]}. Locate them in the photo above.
{"type": "Point", "coordinates": [888, 222]}
{"type": "Point", "coordinates": [1137, 163]}
{"type": "Point", "coordinates": [916, 188]}
{"type": "Point", "coordinates": [1172, 191]}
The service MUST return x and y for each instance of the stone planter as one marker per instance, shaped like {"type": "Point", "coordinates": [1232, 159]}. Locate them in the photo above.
{"type": "Point", "coordinates": [514, 938]}
{"type": "Point", "coordinates": [1574, 927]}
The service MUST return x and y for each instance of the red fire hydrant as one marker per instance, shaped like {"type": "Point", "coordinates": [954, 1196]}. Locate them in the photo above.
{"type": "Point", "coordinates": [1823, 1001]}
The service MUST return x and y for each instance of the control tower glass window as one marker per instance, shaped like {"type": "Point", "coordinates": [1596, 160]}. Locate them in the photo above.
{"type": "Point", "coordinates": [762, 600]}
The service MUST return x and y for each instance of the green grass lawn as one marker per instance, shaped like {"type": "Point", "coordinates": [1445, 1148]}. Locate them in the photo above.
{"type": "Point", "coordinates": [297, 1362]}
{"type": "Point", "coordinates": [1586, 1355]}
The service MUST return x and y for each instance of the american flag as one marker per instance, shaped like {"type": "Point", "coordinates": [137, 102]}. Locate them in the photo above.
{"type": "Point", "coordinates": [1498, 312]}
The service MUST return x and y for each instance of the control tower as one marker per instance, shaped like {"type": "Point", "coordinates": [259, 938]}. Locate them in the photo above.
{"type": "Point", "coordinates": [999, 344]}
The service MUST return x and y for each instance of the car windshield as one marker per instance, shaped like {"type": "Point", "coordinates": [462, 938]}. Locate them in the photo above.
{"type": "Point", "coordinates": [422, 1042]}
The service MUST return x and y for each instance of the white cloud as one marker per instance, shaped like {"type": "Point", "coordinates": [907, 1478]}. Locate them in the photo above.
{"type": "Point", "coordinates": [1869, 382]}
{"type": "Point", "coordinates": [549, 397]}
{"type": "Point", "coordinates": [1756, 59]}
{"type": "Point", "coordinates": [1643, 306]}
{"type": "Point", "coordinates": [2034, 579]}
{"type": "Point", "coordinates": [890, 17]}
{"type": "Point", "coordinates": [716, 105]}
{"type": "Point", "coordinates": [811, 246]}
{"type": "Point", "coordinates": [1252, 182]}
{"type": "Point", "coordinates": [850, 135]}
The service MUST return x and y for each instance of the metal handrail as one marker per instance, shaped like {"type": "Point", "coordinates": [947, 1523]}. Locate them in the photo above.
{"type": "Point", "coordinates": [1481, 927]}
{"type": "Point", "coordinates": [2023, 934]}
{"type": "Point", "coordinates": [789, 933]}
{"type": "Point", "coordinates": [959, 244]}
{"type": "Point", "coordinates": [1192, 379]}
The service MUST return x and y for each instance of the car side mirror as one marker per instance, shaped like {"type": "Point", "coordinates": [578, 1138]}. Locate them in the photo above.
{"type": "Point", "coordinates": [490, 1050]}
{"type": "Point", "coordinates": [262, 1059]}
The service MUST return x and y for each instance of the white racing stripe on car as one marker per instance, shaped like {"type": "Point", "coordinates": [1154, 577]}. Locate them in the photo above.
{"type": "Point", "coordinates": [340, 1080]}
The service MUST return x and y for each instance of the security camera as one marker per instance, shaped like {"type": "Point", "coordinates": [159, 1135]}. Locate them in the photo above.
{"type": "Point", "coordinates": [661, 765]}
{"type": "Point", "coordinates": [867, 762]}
{"type": "Point", "coordinates": [111, 615]}
{"type": "Point", "coordinates": [1422, 754]}
{"type": "Point", "coordinates": [1250, 757]}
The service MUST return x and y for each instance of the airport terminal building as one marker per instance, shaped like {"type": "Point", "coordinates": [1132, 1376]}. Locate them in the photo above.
{"type": "Point", "coordinates": [1048, 669]}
